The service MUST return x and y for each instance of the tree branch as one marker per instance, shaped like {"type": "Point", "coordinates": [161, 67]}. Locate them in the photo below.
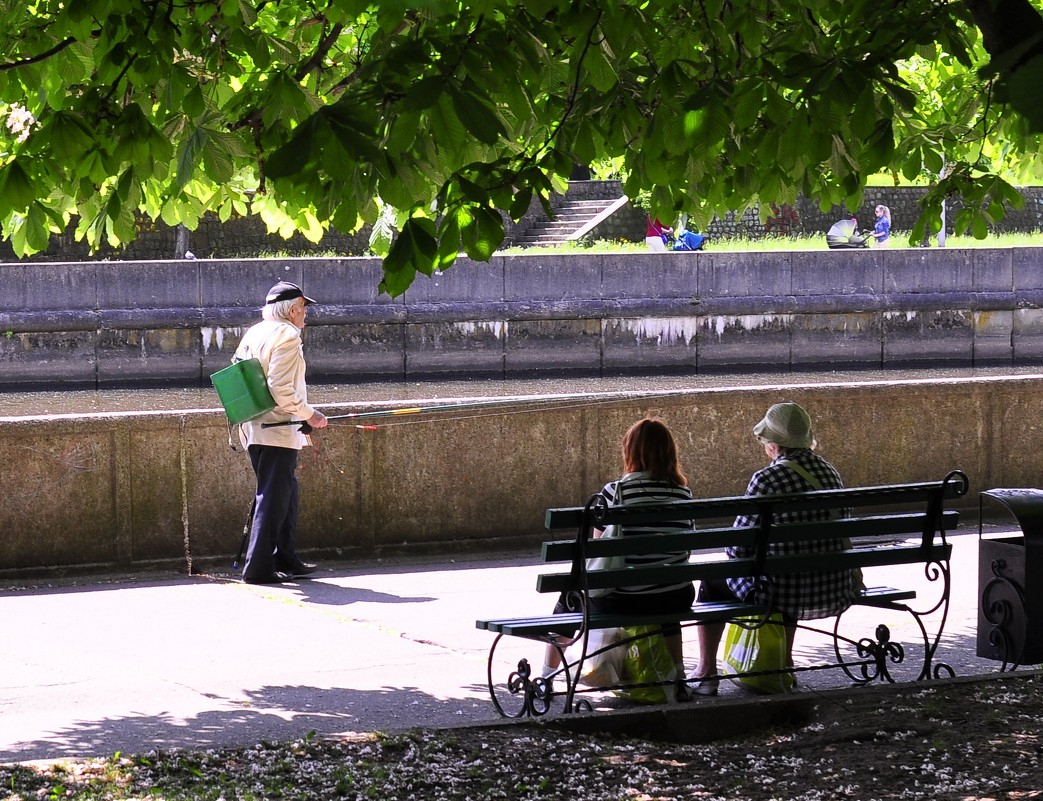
{"type": "Point", "coordinates": [22, 62]}
{"type": "Point", "coordinates": [133, 57]}
{"type": "Point", "coordinates": [321, 50]}
{"type": "Point", "coordinates": [349, 79]}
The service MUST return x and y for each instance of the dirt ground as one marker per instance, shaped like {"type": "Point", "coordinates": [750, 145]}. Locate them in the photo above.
{"type": "Point", "coordinates": [963, 740]}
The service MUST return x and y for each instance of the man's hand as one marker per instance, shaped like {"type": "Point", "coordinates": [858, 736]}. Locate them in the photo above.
{"type": "Point", "coordinates": [318, 420]}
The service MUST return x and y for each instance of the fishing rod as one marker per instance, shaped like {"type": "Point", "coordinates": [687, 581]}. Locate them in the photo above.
{"type": "Point", "coordinates": [557, 401]}
{"type": "Point", "coordinates": [447, 407]}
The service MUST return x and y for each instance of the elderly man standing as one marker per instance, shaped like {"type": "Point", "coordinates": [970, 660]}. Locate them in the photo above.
{"type": "Point", "coordinates": [788, 441]}
{"type": "Point", "coordinates": [276, 342]}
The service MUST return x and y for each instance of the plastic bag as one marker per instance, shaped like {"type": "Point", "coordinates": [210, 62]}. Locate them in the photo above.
{"type": "Point", "coordinates": [648, 660]}
{"type": "Point", "coordinates": [761, 649]}
{"type": "Point", "coordinates": [601, 668]}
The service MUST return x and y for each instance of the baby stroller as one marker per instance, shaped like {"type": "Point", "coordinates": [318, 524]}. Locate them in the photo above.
{"type": "Point", "coordinates": [845, 234]}
{"type": "Point", "coordinates": [686, 240]}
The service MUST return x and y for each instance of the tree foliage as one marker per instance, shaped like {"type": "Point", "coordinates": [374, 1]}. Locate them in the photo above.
{"type": "Point", "coordinates": [435, 117]}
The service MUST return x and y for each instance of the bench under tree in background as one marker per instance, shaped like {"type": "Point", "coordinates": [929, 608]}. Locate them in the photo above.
{"type": "Point", "coordinates": [886, 526]}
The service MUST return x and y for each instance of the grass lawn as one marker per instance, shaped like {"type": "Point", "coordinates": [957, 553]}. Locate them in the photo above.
{"type": "Point", "coordinates": [899, 240]}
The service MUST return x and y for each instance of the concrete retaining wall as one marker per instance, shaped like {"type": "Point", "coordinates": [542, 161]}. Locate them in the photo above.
{"type": "Point", "coordinates": [128, 490]}
{"type": "Point", "coordinates": [113, 324]}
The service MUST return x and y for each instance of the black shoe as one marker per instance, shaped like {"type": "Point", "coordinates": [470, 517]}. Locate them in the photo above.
{"type": "Point", "coordinates": [303, 569]}
{"type": "Point", "coordinates": [273, 578]}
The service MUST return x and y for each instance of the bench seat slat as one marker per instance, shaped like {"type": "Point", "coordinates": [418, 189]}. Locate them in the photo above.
{"type": "Point", "coordinates": [882, 596]}
{"type": "Point", "coordinates": [710, 611]}
{"type": "Point", "coordinates": [571, 622]}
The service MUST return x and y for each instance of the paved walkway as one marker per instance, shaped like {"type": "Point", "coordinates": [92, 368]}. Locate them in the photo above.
{"type": "Point", "coordinates": [100, 665]}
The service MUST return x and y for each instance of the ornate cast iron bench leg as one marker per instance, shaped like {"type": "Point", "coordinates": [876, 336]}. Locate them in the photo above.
{"type": "Point", "coordinates": [520, 693]}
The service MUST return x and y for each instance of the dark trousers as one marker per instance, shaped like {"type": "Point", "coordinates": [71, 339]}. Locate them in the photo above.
{"type": "Point", "coordinates": [273, 534]}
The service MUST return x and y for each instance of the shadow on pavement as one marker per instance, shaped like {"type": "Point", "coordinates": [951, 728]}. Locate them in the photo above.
{"type": "Point", "coordinates": [275, 714]}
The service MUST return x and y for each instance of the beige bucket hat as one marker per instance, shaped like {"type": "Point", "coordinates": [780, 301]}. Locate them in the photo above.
{"type": "Point", "coordinates": [787, 425]}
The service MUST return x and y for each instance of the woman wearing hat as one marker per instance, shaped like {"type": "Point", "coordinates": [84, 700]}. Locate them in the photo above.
{"type": "Point", "coordinates": [788, 440]}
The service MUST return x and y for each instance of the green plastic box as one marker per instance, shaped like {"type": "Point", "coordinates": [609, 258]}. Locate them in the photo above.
{"type": "Point", "coordinates": [243, 390]}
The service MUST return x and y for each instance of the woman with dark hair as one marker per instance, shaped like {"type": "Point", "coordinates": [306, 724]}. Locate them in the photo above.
{"type": "Point", "coordinates": [652, 474]}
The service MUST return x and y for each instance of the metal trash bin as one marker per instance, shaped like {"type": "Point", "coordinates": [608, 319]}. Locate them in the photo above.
{"type": "Point", "coordinates": [1010, 582]}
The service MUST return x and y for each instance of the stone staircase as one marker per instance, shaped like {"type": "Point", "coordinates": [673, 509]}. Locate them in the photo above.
{"type": "Point", "coordinates": [569, 218]}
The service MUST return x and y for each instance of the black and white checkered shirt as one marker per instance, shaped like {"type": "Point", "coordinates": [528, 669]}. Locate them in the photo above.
{"type": "Point", "coordinates": [801, 596]}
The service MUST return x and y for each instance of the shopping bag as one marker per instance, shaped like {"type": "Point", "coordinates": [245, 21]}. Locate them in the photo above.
{"type": "Point", "coordinates": [604, 664]}
{"type": "Point", "coordinates": [758, 649]}
{"type": "Point", "coordinates": [647, 659]}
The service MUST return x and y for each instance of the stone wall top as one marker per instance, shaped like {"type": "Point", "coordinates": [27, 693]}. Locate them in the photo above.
{"type": "Point", "coordinates": [102, 324]}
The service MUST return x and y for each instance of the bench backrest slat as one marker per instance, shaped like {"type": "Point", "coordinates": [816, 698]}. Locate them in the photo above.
{"type": "Point", "coordinates": [735, 568]}
{"type": "Point", "coordinates": [715, 539]}
{"type": "Point", "coordinates": [724, 508]}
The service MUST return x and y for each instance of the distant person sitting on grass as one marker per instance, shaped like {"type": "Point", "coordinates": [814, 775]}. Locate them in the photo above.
{"type": "Point", "coordinates": [656, 235]}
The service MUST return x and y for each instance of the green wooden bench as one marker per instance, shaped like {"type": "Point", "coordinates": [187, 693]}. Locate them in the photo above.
{"type": "Point", "coordinates": [902, 524]}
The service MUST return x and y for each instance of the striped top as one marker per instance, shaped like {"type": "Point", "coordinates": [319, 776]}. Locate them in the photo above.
{"type": "Point", "coordinates": [638, 488]}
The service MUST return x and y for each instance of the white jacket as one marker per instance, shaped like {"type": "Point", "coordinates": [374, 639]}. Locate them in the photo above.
{"type": "Point", "coordinates": [277, 345]}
